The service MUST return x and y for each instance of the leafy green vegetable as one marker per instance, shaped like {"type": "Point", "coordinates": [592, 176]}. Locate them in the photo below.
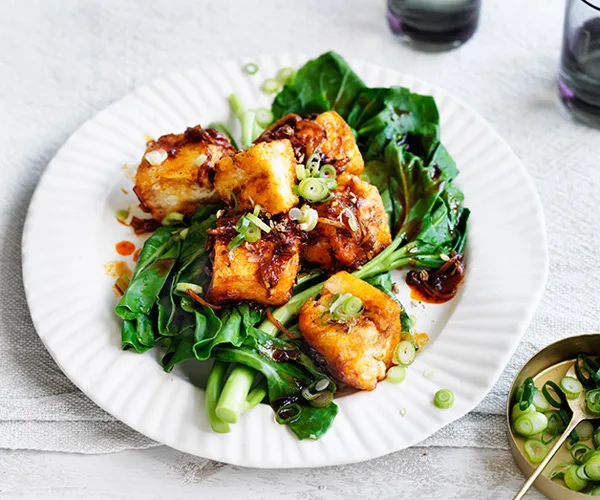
{"type": "Point", "coordinates": [322, 84]}
{"type": "Point", "coordinates": [384, 283]}
{"type": "Point", "coordinates": [286, 370]}
{"type": "Point", "coordinates": [381, 115]}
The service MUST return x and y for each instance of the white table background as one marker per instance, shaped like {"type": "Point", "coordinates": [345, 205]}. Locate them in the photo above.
{"type": "Point", "coordinates": [63, 60]}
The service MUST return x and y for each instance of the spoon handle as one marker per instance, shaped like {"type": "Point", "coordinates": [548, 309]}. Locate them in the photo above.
{"type": "Point", "coordinates": [551, 453]}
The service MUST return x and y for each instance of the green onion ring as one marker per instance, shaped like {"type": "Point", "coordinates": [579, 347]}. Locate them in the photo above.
{"type": "Point", "coordinates": [327, 172]}
{"type": "Point", "coordinates": [294, 408]}
{"type": "Point", "coordinates": [558, 391]}
{"type": "Point", "coordinates": [313, 190]}
{"type": "Point", "coordinates": [312, 164]}
{"type": "Point", "coordinates": [443, 399]}
{"type": "Point", "coordinates": [258, 223]}
{"type": "Point", "coordinates": [526, 393]}
{"type": "Point", "coordinates": [592, 399]}
{"type": "Point", "coordinates": [252, 234]}
{"type": "Point", "coordinates": [322, 400]}
{"type": "Point", "coordinates": [271, 86]}
{"type": "Point", "coordinates": [236, 242]}
{"type": "Point", "coordinates": [286, 75]}
{"type": "Point", "coordinates": [251, 68]}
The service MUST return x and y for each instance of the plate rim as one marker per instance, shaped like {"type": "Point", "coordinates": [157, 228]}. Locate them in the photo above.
{"type": "Point", "coordinates": [525, 319]}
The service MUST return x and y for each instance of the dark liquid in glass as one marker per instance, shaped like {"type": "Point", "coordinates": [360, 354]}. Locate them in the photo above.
{"type": "Point", "coordinates": [433, 23]}
{"type": "Point", "coordinates": [579, 75]}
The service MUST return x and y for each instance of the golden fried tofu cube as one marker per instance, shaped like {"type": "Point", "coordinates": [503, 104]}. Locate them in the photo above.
{"type": "Point", "coordinates": [263, 174]}
{"type": "Point", "coordinates": [172, 176]}
{"type": "Point", "coordinates": [359, 351]}
{"type": "Point", "coordinates": [335, 243]}
{"type": "Point", "coordinates": [263, 272]}
{"type": "Point", "coordinates": [340, 145]}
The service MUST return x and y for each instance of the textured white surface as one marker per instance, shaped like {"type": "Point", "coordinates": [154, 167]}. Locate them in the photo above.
{"type": "Point", "coordinates": [61, 61]}
{"type": "Point", "coordinates": [471, 338]}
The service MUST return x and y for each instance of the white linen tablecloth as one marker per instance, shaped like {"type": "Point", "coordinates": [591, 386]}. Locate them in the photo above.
{"type": "Point", "coordinates": [62, 61]}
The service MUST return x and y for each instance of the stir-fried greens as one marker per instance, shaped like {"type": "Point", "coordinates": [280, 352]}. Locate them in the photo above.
{"type": "Point", "coordinates": [295, 207]}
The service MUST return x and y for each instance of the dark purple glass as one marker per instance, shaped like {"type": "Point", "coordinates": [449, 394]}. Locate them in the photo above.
{"type": "Point", "coordinates": [579, 73]}
{"type": "Point", "coordinates": [434, 24]}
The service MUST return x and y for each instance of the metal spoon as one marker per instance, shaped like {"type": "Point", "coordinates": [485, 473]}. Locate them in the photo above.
{"type": "Point", "coordinates": [580, 413]}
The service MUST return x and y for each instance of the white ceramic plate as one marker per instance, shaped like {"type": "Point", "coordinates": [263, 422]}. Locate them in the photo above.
{"type": "Point", "coordinates": [71, 233]}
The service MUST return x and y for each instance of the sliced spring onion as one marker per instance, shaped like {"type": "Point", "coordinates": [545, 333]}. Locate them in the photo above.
{"type": "Point", "coordinates": [562, 399]}
{"type": "Point", "coordinates": [184, 287]}
{"type": "Point", "coordinates": [251, 68]}
{"type": "Point", "coordinates": [530, 424]}
{"type": "Point", "coordinates": [286, 75]}
{"type": "Point", "coordinates": [596, 437]}
{"type": "Point", "coordinates": [592, 399]}
{"type": "Point", "coordinates": [271, 86]}
{"type": "Point", "coordinates": [301, 172]}
{"type": "Point", "coordinates": [525, 393]}
{"type": "Point", "coordinates": [572, 480]}
{"type": "Point", "coordinates": [331, 183]}
{"type": "Point", "coordinates": [540, 402]}
{"type": "Point", "coordinates": [595, 491]}
{"type": "Point", "coordinates": [345, 306]}
{"type": "Point", "coordinates": [444, 399]}
{"type": "Point", "coordinates": [516, 411]}
{"type": "Point", "coordinates": [581, 473]}
{"type": "Point", "coordinates": [258, 223]}
{"type": "Point", "coordinates": [580, 453]}
{"type": "Point", "coordinates": [236, 242]}
{"type": "Point", "coordinates": [403, 412]}
{"type": "Point", "coordinates": [296, 214]}
{"type": "Point", "coordinates": [571, 387]}
{"type": "Point", "coordinates": [257, 209]}
{"type": "Point", "coordinates": [352, 222]}
{"type": "Point", "coordinates": [413, 320]}
{"type": "Point", "coordinates": [122, 215]}
{"type": "Point", "coordinates": [322, 384]}
{"type": "Point", "coordinates": [396, 374]}
{"type": "Point", "coordinates": [405, 353]}
{"type": "Point", "coordinates": [559, 471]}
{"type": "Point", "coordinates": [313, 190]}
{"type": "Point", "coordinates": [156, 157]}
{"type": "Point", "coordinates": [264, 117]}
{"type": "Point", "coordinates": [328, 172]}
{"type": "Point", "coordinates": [535, 450]}
{"type": "Point", "coordinates": [585, 430]}
{"type": "Point", "coordinates": [428, 373]}
{"type": "Point", "coordinates": [252, 234]}
{"type": "Point", "coordinates": [172, 218]}
{"type": "Point", "coordinates": [288, 414]}
{"type": "Point", "coordinates": [310, 218]}
{"type": "Point", "coordinates": [313, 164]}
{"type": "Point", "coordinates": [200, 160]}
{"type": "Point", "coordinates": [322, 400]}
{"type": "Point", "coordinates": [556, 425]}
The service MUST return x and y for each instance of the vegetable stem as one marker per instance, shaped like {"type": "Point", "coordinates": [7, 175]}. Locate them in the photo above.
{"type": "Point", "coordinates": [214, 385]}
{"type": "Point", "coordinates": [232, 401]}
{"type": "Point", "coordinates": [256, 396]}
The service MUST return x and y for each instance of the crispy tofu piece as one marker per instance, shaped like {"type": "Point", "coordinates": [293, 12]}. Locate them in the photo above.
{"type": "Point", "coordinates": [263, 175]}
{"type": "Point", "coordinates": [328, 134]}
{"type": "Point", "coordinates": [358, 352]}
{"type": "Point", "coordinates": [340, 145]}
{"type": "Point", "coordinates": [334, 244]}
{"type": "Point", "coordinates": [178, 184]}
{"type": "Point", "coordinates": [263, 272]}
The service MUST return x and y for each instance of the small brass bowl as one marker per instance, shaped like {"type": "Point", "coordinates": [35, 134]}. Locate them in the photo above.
{"type": "Point", "coordinates": [554, 357]}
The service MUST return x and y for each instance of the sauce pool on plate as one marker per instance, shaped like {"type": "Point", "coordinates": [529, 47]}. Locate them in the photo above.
{"type": "Point", "coordinates": [125, 248]}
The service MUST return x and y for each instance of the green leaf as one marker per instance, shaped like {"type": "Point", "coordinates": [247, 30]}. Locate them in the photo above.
{"type": "Point", "coordinates": [381, 115]}
{"type": "Point", "coordinates": [284, 379]}
{"type": "Point", "coordinates": [322, 84]}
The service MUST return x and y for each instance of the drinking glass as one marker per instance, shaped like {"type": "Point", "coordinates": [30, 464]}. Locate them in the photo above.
{"type": "Point", "coordinates": [434, 24]}
{"type": "Point", "coordinates": [579, 72]}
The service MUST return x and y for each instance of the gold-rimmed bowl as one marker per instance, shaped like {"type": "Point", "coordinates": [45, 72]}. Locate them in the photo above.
{"type": "Point", "coordinates": [549, 362]}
